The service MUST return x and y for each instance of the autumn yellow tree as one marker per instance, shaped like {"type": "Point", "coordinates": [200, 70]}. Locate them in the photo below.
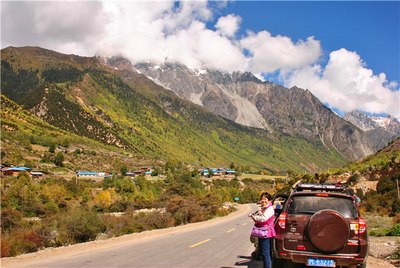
{"type": "Point", "coordinates": [105, 198]}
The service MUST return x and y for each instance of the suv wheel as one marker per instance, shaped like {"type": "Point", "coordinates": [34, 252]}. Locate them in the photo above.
{"type": "Point", "coordinates": [328, 230]}
{"type": "Point", "coordinates": [290, 264]}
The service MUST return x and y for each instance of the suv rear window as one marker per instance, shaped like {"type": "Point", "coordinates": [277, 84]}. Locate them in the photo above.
{"type": "Point", "coordinates": [311, 204]}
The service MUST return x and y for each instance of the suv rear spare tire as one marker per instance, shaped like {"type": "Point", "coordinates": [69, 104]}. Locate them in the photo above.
{"type": "Point", "coordinates": [328, 230]}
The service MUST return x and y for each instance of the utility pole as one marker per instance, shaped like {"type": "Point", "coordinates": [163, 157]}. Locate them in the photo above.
{"type": "Point", "coordinates": [398, 191]}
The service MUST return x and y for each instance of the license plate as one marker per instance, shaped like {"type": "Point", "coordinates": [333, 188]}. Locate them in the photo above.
{"type": "Point", "coordinates": [320, 262]}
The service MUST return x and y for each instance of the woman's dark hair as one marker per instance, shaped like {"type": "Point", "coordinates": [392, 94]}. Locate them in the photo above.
{"type": "Point", "coordinates": [266, 195]}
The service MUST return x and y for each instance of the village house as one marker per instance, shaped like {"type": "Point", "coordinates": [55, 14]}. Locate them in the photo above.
{"type": "Point", "coordinates": [147, 171]}
{"type": "Point", "coordinates": [14, 171]}
{"type": "Point", "coordinates": [92, 174]}
{"type": "Point", "coordinates": [36, 174]}
{"type": "Point", "coordinates": [218, 172]}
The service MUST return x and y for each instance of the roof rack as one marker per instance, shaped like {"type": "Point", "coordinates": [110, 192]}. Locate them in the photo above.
{"type": "Point", "coordinates": [319, 187]}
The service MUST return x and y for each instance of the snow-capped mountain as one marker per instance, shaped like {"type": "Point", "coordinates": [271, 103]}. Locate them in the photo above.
{"type": "Point", "coordinates": [244, 99]}
{"type": "Point", "coordinates": [367, 122]}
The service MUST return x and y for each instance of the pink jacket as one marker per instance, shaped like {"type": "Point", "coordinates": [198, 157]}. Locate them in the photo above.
{"type": "Point", "coordinates": [266, 218]}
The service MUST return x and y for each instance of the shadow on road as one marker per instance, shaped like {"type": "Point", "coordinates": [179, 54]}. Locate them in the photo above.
{"type": "Point", "coordinates": [247, 261]}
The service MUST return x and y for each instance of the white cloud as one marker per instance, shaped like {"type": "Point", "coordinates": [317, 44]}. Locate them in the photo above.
{"type": "Point", "coordinates": [198, 46]}
{"type": "Point", "coordinates": [228, 25]}
{"type": "Point", "coordinates": [54, 25]}
{"type": "Point", "coordinates": [160, 31]}
{"type": "Point", "coordinates": [271, 53]}
{"type": "Point", "coordinates": [347, 84]}
{"type": "Point", "coordinates": [143, 31]}
{"type": "Point", "coordinates": [135, 30]}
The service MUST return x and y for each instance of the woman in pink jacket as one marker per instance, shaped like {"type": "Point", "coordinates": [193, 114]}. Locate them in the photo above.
{"type": "Point", "coordinates": [265, 217]}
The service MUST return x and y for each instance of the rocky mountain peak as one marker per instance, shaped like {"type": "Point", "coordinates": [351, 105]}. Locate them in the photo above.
{"type": "Point", "coordinates": [118, 62]}
{"type": "Point", "coordinates": [244, 99]}
{"type": "Point", "coordinates": [245, 77]}
{"type": "Point", "coordinates": [361, 120]}
{"type": "Point", "coordinates": [368, 122]}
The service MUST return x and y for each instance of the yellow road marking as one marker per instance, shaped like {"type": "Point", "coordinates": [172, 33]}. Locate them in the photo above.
{"type": "Point", "coordinates": [231, 230]}
{"type": "Point", "coordinates": [197, 244]}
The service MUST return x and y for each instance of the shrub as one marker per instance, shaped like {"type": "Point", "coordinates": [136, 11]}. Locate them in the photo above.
{"type": "Point", "coordinates": [117, 226]}
{"type": "Point", "coordinates": [155, 220]}
{"type": "Point", "coordinates": [132, 222]}
{"type": "Point", "coordinates": [355, 178]}
{"type": "Point", "coordinates": [395, 207]}
{"type": "Point", "coordinates": [396, 218]}
{"type": "Point", "coordinates": [394, 231]}
{"type": "Point", "coordinates": [5, 246]}
{"type": "Point", "coordinates": [78, 225]}
{"type": "Point", "coordinates": [59, 159]}
{"type": "Point", "coordinates": [22, 240]}
{"type": "Point", "coordinates": [10, 218]}
{"type": "Point", "coordinates": [376, 221]}
{"type": "Point", "coordinates": [396, 254]}
{"type": "Point", "coordinates": [52, 147]}
{"type": "Point", "coordinates": [386, 184]}
{"type": "Point", "coordinates": [377, 232]}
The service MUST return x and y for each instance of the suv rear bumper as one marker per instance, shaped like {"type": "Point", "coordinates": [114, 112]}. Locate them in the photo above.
{"type": "Point", "coordinates": [349, 260]}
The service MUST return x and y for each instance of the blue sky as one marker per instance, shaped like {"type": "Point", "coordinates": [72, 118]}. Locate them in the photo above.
{"type": "Point", "coordinates": [345, 53]}
{"type": "Point", "coordinates": [372, 28]}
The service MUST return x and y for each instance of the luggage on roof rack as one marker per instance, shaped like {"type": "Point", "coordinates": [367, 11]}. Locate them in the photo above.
{"type": "Point", "coordinates": [318, 187]}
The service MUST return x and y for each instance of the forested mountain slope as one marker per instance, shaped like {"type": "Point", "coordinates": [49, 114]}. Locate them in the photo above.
{"type": "Point", "coordinates": [83, 97]}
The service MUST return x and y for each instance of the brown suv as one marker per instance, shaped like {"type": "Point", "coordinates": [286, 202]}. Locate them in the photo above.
{"type": "Point", "coordinates": [319, 225]}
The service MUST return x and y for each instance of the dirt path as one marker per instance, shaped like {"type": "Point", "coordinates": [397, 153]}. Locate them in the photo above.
{"type": "Point", "coordinates": [380, 248]}
{"type": "Point", "coordinates": [373, 262]}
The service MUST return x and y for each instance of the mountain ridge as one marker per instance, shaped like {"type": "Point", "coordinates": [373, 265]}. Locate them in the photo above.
{"type": "Point", "coordinates": [122, 108]}
{"type": "Point", "coordinates": [369, 122]}
{"type": "Point", "coordinates": [243, 98]}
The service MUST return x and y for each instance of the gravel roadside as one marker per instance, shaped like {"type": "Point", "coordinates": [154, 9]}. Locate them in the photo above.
{"type": "Point", "coordinates": [380, 248]}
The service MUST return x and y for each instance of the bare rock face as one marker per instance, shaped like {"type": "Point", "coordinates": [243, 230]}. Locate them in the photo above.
{"type": "Point", "coordinates": [379, 129]}
{"type": "Point", "coordinates": [243, 98]}
{"type": "Point", "coordinates": [366, 122]}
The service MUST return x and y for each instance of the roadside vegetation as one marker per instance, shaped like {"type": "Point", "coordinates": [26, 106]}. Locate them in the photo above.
{"type": "Point", "coordinates": [55, 212]}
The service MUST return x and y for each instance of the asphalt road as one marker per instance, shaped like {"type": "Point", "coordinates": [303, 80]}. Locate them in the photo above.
{"type": "Point", "coordinates": [218, 243]}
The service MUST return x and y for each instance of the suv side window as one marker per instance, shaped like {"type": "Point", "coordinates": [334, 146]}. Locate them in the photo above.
{"type": "Point", "coordinates": [312, 204]}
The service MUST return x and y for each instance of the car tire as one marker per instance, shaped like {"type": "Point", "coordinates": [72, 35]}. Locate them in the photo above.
{"type": "Point", "coordinates": [328, 225]}
{"type": "Point", "coordinates": [290, 264]}
{"type": "Point", "coordinates": [277, 262]}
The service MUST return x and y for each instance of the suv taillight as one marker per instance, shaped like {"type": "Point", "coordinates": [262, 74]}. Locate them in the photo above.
{"type": "Point", "coordinates": [282, 220]}
{"type": "Point", "coordinates": [362, 225]}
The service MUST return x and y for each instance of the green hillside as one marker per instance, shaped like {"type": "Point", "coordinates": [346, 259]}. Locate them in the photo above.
{"type": "Point", "coordinates": [385, 160]}
{"type": "Point", "coordinates": [85, 104]}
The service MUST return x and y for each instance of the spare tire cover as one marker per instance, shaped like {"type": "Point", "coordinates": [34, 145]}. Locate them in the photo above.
{"type": "Point", "coordinates": [328, 230]}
